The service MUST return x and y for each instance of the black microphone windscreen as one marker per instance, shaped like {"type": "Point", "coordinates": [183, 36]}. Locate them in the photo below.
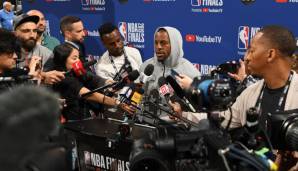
{"type": "Point", "coordinates": [90, 63]}
{"type": "Point", "coordinates": [149, 70]}
{"type": "Point", "coordinates": [133, 75]}
{"type": "Point", "coordinates": [162, 81]}
{"type": "Point", "coordinates": [178, 90]}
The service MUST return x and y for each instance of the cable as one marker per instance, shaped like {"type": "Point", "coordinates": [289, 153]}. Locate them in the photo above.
{"type": "Point", "coordinates": [221, 154]}
{"type": "Point", "coordinates": [230, 120]}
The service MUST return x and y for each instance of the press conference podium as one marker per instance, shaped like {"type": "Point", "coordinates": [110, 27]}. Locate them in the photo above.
{"type": "Point", "coordinates": [100, 146]}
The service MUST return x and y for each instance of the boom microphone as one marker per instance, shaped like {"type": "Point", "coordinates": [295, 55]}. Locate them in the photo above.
{"type": "Point", "coordinates": [179, 92]}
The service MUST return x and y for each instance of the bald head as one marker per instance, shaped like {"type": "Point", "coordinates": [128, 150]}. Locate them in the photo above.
{"type": "Point", "coordinates": [7, 6]}
{"type": "Point", "coordinates": [41, 25]}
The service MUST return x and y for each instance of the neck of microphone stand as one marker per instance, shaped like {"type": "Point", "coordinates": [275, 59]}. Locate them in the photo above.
{"type": "Point", "coordinates": [98, 89]}
{"type": "Point", "coordinates": [176, 116]}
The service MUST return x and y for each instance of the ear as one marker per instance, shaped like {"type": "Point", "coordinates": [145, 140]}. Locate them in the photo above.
{"type": "Point", "coordinates": [67, 34]}
{"type": "Point", "coordinates": [271, 55]}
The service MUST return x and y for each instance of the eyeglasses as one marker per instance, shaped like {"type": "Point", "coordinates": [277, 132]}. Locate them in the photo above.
{"type": "Point", "coordinates": [28, 30]}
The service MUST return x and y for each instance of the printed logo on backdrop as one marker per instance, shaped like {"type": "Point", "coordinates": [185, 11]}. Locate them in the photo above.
{"type": "Point", "coordinates": [159, 0]}
{"type": "Point", "coordinates": [208, 39]}
{"type": "Point", "coordinates": [204, 68]}
{"type": "Point", "coordinates": [57, 0]}
{"type": "Point", "coordinates": [91, 33]}
{"type": "Point", "coordinates": [207, 6]}
{"type": "Point", "coordinates": [91, 57]}
{"type": "Point", "coordinates": [133, 33]}
{"type": "Point", "coordinates": [93, 5]}
{"type": "Point", "coordinates": [48, 30]}
{"type": "Point", "coordinates": [105, 162]}
{"type": "Point", "coordinates": [286, 1]}
{"type": "Point", "coordinates": [245, 34]}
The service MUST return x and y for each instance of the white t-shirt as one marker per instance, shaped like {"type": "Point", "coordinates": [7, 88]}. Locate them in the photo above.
{"type": "Point", "coordinates": [105, 68]}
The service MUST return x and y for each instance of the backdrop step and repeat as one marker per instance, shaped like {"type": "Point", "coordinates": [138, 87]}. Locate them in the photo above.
{"type": "Point", "coordinates": [214, 31]}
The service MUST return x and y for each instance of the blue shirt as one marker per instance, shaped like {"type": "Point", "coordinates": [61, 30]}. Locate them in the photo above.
{"type": "Point", "coordinates": [6, 19]}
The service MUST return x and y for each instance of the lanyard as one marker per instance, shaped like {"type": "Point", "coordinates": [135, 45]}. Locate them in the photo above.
{"type": "Point", "coordinates": [282, 97]}
{"type": "Point", "coordinates": [117, 73]}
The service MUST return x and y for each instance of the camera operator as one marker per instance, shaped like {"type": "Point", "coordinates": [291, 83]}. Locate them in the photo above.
{"type": "Point", "coordinates": [269, 57]}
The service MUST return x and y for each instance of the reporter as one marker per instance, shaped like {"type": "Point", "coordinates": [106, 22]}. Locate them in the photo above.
{"type": "Point", "coordinates": [71, 88]}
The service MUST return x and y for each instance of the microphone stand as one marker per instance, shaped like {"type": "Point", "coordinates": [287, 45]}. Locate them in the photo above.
{"type": "Point", "coordinates": [174, 115]}
{"type": "Point", "coordinates": [98, 89]}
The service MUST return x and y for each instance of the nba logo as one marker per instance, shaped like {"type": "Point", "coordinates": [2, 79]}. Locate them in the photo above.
{"type": "Point", "coordinates": [243, 37]}
{"type": "Point", "coordinates": [196, 2]}
{"type": "Point", "coordinates": [85, 2]}
{"type": "Point", "coordinates": [122, 26]}
{"type": "Point", "coordinates": [87, 158]}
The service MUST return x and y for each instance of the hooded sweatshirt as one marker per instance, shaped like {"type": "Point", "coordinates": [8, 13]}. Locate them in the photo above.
{"type": "Point", "coordinates": [175, 61]}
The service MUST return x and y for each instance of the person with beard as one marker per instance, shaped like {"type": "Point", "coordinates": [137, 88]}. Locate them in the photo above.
{"type": "Point", "coordinates": [72, 29]}
{"type": "Point", "coordinates": [117, 55]}
{"type": "Point", "coordinates": [6, 16]}
{"type": "Point", "coordinates": [42, 37]}
{"type": "Point", "coordinates": [26, 31]}
{"type": "Point", "coordinates": [168, 55]}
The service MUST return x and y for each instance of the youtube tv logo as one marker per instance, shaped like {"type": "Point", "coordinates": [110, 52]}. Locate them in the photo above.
{"type": "Point", "coordinates": [281, 1]}
{"type": "Point", "coordinates": [190, 38]}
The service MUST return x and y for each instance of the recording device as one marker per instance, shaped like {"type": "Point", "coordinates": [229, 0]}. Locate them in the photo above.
{"type": "Point", "coordinates": [283, 126]}
{"type": "Point", "coordinates": [179, 92]}
{"type": "Point", "coordinates": [16, 75]}
{"type": "Point", "coordinates": [79, 68]}
{"type": "Point", "coordinates": [210, 94]}
{"type": "Point", "coordinates": [116, 85]}
{"type": "Point", "coordinates": [223, 69]}
{"type": "Point", "coordinates": [148, 71]}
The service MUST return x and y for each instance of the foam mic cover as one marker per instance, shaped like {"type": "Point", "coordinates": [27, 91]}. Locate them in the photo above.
{"type": "Point", "coordinates": [149, 70]}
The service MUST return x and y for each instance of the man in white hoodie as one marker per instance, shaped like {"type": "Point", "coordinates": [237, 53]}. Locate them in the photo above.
{"type": "Point", "coordinates": [168, 54]}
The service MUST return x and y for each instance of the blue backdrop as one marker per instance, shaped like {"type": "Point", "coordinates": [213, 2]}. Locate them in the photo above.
{"type": "Point", "coordinates": [214, 31]}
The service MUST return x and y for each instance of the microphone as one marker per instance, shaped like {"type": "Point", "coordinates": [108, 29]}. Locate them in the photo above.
{"type": "Point", "coordinates": [148, 71]}
{"type": "Point", "coordinates": [116, 85]}
{"type": "Point", "coordinates": [78, 68]}
{"type": "Point", "coordinates": [179, 92]}
{"type": "Point", "coordinates": [164, 88]}
{"type": "Point", "coordinates": [18, 78]}
{"type": "Point", "coordinates": [126, 80]}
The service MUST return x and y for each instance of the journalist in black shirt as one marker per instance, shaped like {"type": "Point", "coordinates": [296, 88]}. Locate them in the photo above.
{"type": "Point", "coordinates": [72, 87]}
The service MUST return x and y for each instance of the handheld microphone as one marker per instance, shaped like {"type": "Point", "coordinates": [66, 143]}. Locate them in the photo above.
{"type": "Point", "coordinates": [179, 92]}
{"type": "Point", "coordinates": [164, 88]}
{"type": "Point", "coordinates": [126, 80]}
{"type": "Point", "coordinates": [18, 78]}
{"type": "Point", "coordinates": [78, 68]}
{"type": "Point", "coordinates": [148, 71]}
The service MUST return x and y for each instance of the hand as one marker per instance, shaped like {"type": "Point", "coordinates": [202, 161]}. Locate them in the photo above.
{"type": "Point", "coordinates": [176, 108]}
{"type": "Point", "coordinates": [109, 81]}
{"type": "Point", "coordinates": [35, 66]}
{"type": "Point", "coordinates": [127, 108]}
{"type": "Point", "coordinates": [52, 77]}
{"type": "Point", "coordinates": [184, 81]}
{"type": "Point", "coordinates": [241, 73]}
